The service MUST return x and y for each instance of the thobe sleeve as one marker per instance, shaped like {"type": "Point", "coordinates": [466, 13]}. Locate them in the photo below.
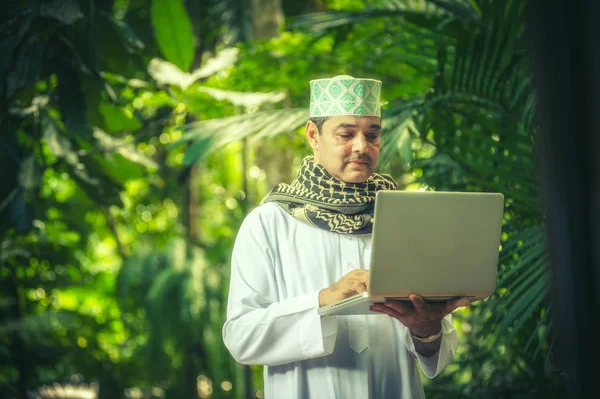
{"type": "Point", "coordinates": [435, 364]}
{"type": "Point", "coordinates": [260, 328]}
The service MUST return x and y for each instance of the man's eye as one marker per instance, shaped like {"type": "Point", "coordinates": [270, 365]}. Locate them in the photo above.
{"type": "Point", "coordinates": [345, 135]}
{"type": "Point", "coordinates": [372, 137]}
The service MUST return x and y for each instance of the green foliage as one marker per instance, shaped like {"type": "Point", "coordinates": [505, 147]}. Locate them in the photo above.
{"type": "Point", "coordinates": [173, 31]}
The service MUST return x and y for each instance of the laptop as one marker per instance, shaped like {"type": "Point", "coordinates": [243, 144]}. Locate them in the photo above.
{"type": "Point", "coordinates": [439, 245]}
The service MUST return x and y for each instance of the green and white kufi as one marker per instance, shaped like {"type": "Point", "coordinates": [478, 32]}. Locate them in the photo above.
{"type": "Point", "coordinates": [345, 95]}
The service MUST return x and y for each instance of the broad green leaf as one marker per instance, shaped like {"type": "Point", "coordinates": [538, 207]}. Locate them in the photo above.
{"type": "Point", "coordinates": [165, 72]}
{"type": "Point", "coordinates": [173, 32]}
{"type": "Point", "coordinates": [118, 119]}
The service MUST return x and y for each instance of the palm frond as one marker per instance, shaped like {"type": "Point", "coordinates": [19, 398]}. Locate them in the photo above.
{"type": "Point", "coordinates": [480, 113]}
{"type": "Point", "coordinates": [523, 287]}
{"type": "Point", "coordinates": [213, 134]}
{"type": "Point", "coordinates": [434, 15]}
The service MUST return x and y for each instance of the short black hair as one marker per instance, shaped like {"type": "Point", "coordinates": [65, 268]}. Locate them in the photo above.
{"type": "Point", "coordinates": [319, 121]}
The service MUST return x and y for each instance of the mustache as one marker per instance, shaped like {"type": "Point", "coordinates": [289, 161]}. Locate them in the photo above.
{"type": "Point", "coordinates": [360, 158]}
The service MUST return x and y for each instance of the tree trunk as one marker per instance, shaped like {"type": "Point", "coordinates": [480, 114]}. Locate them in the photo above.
{"type": "Point", "coordinates": [192, 215]}
{"type": "Point", "coordinates": [267, 17]}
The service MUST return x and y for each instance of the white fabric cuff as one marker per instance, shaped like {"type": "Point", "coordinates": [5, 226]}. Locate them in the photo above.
{"type": "Point", "coordinates": [316, 334]}
{"type": "Point", "coordinates": [434, 364]}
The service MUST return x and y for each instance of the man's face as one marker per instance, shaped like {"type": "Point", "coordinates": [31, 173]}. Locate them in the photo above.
{"type": "Point", "coordinates": [348, 146]}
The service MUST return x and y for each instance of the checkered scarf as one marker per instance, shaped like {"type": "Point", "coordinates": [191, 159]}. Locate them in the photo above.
{"type": "Point", "coordinates": [317, 198]}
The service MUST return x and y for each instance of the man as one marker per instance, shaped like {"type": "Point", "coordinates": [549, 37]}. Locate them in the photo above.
{"type": "Point", "coordinates": [307, 245]}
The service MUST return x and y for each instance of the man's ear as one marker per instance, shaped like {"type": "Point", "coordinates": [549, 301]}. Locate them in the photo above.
{"type": "Point", "coordinates": [312, 134]}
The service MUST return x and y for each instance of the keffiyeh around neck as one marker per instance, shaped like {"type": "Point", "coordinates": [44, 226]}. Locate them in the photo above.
{"type": "Point", "coordinates": [317, 198]}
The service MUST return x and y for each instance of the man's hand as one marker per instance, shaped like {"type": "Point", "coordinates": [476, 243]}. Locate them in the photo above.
{"type": "Point", "coordinates": [421, 318]}
{"type": "Point", "coordinates": [352, 283]}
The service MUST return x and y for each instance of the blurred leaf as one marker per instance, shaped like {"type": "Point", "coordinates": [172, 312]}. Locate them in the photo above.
{"type": "Point", "coordinates": [37, 103]}
{"type": "Point", "coordinates": [93, 89]}
{"type": "Point", "coordinates": [65, 11]}
{"type": "Point", "coordinates": [210, 135]}
{"type": "Point", "coordinates": [89, 173]}
{"type": "Point", "coordinates": [118, 119]}
{"type": "Point", "coordinates": [59, 145]}
{"type": "Point", "coordinates": [21, 213]}
{"type": "Point", "coordinates": [404, 147]}
{"type": "Point", "coordinates": [11, 34]}
{"type": "Point", "coordinates": [118, 47]}
{"type": "Point", "coordinates": [222, 60]}
{"type": "Point", "coordinates": [463, 9]}
{"type": "Point", "coordinates": [30, 173]}
{"type": "Point", "coordinates": [27, 62]}
{"type": "Point", "coordinates": [97, 182]}
{"type": "Point", "coordinates": [402, 140]}
{"type": "Point", "coordinates": [72, 102]}
{"type": "Point", "coordinates": [173, 31]}
{"type": "Point", "coordinates": [127, 34]}
{"type": "Point", "coordinates": [247, 100]}
{"type": "Point", "coordinates": [165, 285]}
{"type": "Point", "coordinates": [442, 18]}
{"type": "Point", "coordinates": [14, 252]}
{"type": "Point", "coordinates": [8, 249]}
{"type": "Point", "coordinates": [107, 143]}
{"type": "Point", "coordinates": [165, 72]}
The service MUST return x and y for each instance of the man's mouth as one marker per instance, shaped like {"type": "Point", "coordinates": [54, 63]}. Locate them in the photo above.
{"type": "Point", "coordinates": [359, 161]}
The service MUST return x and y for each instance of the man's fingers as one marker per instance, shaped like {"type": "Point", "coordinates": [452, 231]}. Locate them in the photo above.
{"type": "Point", "coordinates": [359, 274]}
{"type": "Point", "coordinates": [418, 302]}
{"type": "Point", "coordinates": [454, 304]}
{"type": "Point", "coordinates": [382, 308]}
{"type": "Point", "coordinates": [401, 308]}
{"type": "Point", "coordinates": [360, 287]}
{"type": "Point", "coordinates": [352, 287]}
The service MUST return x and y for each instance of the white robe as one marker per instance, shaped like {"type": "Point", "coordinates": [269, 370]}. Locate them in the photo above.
{"type": "Point", "coordinates": [279, 265]}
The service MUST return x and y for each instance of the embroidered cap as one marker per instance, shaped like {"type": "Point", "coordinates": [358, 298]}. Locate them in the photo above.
{"type": "Point", "coordinates": [345, 95]}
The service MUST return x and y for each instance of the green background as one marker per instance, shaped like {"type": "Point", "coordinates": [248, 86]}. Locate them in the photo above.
{"type": "Point", "coordinates": [135, 135]}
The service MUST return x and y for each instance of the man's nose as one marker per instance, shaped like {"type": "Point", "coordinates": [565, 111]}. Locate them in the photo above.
{"type": "Point", "coordinates": [360, 144]}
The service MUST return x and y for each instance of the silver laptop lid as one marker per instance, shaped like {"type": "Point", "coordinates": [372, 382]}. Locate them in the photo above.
{"type": "Point", "coordinates": [435, 244]}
